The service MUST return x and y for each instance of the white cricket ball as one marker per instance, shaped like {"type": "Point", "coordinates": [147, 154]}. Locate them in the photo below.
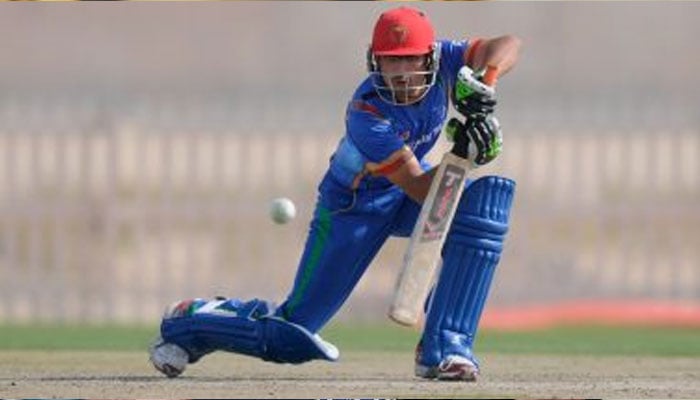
{"type": "Point", "coordinates": [282, 210]}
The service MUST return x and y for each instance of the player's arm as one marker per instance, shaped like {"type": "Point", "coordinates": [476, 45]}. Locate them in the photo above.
{"type": "Point", "coordinates": [501, 52]}
{"type": "Point", "coordinates": [411, 177]}
{"type": "Point", "coordinates": [403, 169]}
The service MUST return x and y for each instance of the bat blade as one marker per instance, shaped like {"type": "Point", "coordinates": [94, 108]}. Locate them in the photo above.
{"type": "Point", "coordinates": [423, 253]}
{"type": "Point", "coordinates": [422, 256]}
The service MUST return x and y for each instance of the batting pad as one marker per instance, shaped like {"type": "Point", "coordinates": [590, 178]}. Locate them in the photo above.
{"type": "Point", "coordinates": [247, 332]}
{"type": "Point", "coordinates": [471, 252]}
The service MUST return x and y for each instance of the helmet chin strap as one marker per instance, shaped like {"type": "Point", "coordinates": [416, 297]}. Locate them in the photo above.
{"type": "Point", "coordinates": [401, 96]}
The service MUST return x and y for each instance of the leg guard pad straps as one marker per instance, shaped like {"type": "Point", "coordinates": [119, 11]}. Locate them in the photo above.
{"type": "Point", "coordinates": [470, 254]}
{"type": "Point", "coordinates": [267, 337]}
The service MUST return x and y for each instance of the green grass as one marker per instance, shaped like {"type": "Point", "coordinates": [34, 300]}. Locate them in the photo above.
{"type": "Point", "coordinates": [590, 340]}
{"type": "Point", "coordinates": [584, 340]}
{"type": "Point", "coordinates": [597, 340]}
{"type": "Point", "coordinates": [75, 337]}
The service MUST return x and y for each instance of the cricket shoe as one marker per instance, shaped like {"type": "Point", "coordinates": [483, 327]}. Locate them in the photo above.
{"type": "Point", "coordinates": [168, 358]}
{"type": "Point", "coordinates": [451, 368]}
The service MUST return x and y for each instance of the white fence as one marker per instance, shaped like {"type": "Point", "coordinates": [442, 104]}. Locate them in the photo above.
{"type": "Point", "coordinates": [112, 222]}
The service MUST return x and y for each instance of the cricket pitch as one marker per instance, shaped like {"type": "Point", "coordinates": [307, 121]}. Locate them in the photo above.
{"type": "Point", "coordinates": [123, 374]}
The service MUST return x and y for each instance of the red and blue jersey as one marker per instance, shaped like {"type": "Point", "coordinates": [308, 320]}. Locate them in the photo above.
{"type": "Point", "coordinates": [379, 135]}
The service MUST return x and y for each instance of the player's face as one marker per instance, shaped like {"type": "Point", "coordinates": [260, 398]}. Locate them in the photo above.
{"type": "Point", "coordinates": [406, 76]}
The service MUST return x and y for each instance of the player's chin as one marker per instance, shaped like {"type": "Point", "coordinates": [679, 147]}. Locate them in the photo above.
{"type": "Point", "coordinates": [407, 96]}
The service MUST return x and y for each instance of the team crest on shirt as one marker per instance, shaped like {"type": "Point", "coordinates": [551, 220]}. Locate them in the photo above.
{"type": "Point", "coordinates": [405, 135]}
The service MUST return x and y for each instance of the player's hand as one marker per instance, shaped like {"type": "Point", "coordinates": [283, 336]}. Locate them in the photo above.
{"type": "Point", "coordinates": [479, 140]}
{"type": "Point", "coordinates": [472, 96]}
{"type": "Point", "coordinates": [475, 104]}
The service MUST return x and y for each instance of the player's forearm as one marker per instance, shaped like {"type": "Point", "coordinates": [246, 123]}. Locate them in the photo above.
{"type": "Point", "coordinates": [419, 187]}
{"type": "Point", "coordinates": [501, 52]}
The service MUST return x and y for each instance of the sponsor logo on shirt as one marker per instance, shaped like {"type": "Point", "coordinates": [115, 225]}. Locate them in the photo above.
{"type": "Point", "coordinates": [425, 138]}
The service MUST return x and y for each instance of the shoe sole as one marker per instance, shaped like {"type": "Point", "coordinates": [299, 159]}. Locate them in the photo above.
{"type": "Point", "coordinates": [449, 372]}
{"type": "Point", "coordinates": [168, 370]}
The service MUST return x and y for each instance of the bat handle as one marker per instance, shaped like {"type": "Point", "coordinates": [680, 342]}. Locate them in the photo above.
{"type": "Point", "coordinates": [491, 75]}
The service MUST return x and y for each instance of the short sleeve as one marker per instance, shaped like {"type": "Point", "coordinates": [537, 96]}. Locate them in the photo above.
{"type": "Point", "coordinates": [375, 136]}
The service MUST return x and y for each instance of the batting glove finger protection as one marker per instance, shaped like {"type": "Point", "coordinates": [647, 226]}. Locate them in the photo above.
{"type": "Point", "coordinates": [476, 104]}
{"type": "Point", "coordinates": [479, 141]}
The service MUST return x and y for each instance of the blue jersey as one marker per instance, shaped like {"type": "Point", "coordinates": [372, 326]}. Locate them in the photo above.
{"type": "Point", "coordinates": [377, 134]}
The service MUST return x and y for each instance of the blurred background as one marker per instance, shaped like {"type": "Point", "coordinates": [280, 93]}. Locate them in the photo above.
{"type": "Point", "coordinates": [141, 143]}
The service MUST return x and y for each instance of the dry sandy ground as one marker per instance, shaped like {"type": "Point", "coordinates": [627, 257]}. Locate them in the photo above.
{"type": "Point", "coordinates": [105, 375]}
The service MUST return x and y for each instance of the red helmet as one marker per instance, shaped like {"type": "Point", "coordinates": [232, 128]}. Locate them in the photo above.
{"type": "Point", "coordinates": [403, 31]}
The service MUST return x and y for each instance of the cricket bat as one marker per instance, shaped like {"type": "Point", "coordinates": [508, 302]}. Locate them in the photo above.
{"type": "Point", "coordinates": [422, 256]}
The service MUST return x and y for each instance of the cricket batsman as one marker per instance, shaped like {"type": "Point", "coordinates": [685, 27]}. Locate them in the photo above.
{"type": "Point", "coordinates": [373, 189]}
